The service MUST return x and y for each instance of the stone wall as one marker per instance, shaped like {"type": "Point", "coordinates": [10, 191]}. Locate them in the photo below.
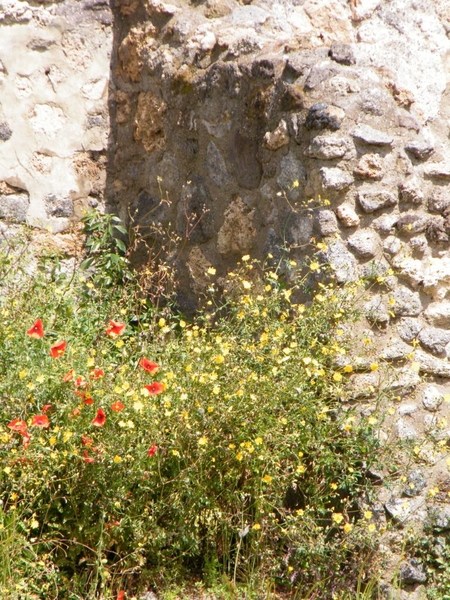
{"type": "Point", "coordinates": [242, 111]}
{"type": "Point", "coordinates": [245, 116]}
{"type": "Point", "coordinates": [54, 119]}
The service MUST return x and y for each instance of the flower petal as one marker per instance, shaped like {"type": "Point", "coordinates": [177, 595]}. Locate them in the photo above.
{"type": "Point", "coordinates": [149, 366]}
{"type": "Point", "coordinates": [40, 421]}
{"type": "Point", "coordinates": [100, 418]}
{"type": "Point", "coordinates": [155, 388]}
{"type": "Point", "coordinates": [58, 350]}
{"type": "Point", "coordinates": [36, 330]}
{"type": "Point", "coordinates": [115, 328]}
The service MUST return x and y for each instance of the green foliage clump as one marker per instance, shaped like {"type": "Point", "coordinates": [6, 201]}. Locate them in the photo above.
{"type": "Point", "coordinates": [137, 447]}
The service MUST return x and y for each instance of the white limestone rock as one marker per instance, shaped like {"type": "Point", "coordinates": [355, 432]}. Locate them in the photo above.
{"type": "Point", "coordinates": [438, 313]}
{"type": "Point", "coordinates": [335, 179]}
{"type": "Point", "coordinates": [407, 409]}
{"type": "Point", "coordinates": [365, 243]}
{"type": "Point", "coordinates": [432, 398]}
{"type": "Point", "coordinates": [406, 430]}
{"type": "Point", "coordinates": [329, 147]}
{"type": "Point", "coordinates": [343, 263]}
{"type": "Point", "coordinates": [278, 138]}
{"type": "Point", "coordinates": [347, 215]}
{"type": "Point", "coordinates": [432, 365]}
{"type": "Point", "coordinates": [392, 245]}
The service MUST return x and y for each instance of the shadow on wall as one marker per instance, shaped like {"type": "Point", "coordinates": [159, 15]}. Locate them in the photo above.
{"type": "Point", "coordinates": [200, 143]}
{"type": "Point", "coordinates": [231, 123]}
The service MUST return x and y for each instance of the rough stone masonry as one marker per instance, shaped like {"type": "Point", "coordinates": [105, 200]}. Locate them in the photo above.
{"type": "Point", "coordinates": [54, 120]}
{"type": "Point", "coordinates": [236, 114]}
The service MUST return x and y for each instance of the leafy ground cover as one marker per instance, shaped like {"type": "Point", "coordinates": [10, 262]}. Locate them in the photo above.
{"type": "Point", "coordinates": [140, 449]}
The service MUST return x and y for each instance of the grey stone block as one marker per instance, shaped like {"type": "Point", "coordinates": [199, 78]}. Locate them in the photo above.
{"type": "Point", "coordinates": [321, 117]}
{"type": "Point", "coordinates": [58, 207]}
{"type": "Point", "coordinates": [416, 483]}
{"type": "Point", "coordinates": [420, 150]}
{"type": "Point", "coordinates": [342, 54]}
{"type": "Point", "coordinates": [335, 179]}
{"type": "Point", "coordinates": [14, 207]}
{"type": "Point", "coordinates": [412, 572]}
{"type": "Point", "coordinates": [372, 137]}
{"type": "Point", "coordinates": [329, 147]}
{"type": "Point", "coordinates": [326, 222]}
{"type": "Point", "coordinates": [435, 340]}
{"type": "Point", "coordinates": [5, 131]}
{"type": "Point", "coordinates": [405, 302]}
{"type": "Point", "coordinates": [372, 200]}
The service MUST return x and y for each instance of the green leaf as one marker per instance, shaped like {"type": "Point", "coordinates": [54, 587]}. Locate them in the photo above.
{"type": "Point", "coordinates": [87, 263]}
{"type": "Point", "coordinates": [121, 245]}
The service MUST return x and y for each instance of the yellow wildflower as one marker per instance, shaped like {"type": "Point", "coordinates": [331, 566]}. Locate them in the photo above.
{"type": "Point", "coordinates": [337, 518]}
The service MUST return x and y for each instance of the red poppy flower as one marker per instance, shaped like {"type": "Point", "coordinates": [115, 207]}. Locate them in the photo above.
{"type": "Point", "coordinates": [58, 349]}
{"type": "Point", "coordinates": [88, 459]}
{"type": "Point", "coordinates": [148, 365]}
{"type": "Point", "coordinates": [80, 382]}
{"type": "Point", "coordinates": [19, 426]}
{"type": "Point", "coordinates": [152, 450]}
{"type": "Point", "coordinates": [97, 374]}
{"type": "Point", "coordinates": [120, 595]}
{"type": "Point", "coordinates": [75, 413]}
{"type": "Point", "coordinates": [117, 406]}
{"type": "Point", "coordinates": [37, 330]}
{"type": "Point", "coordinates": [100, 418]}
{"type": "Point", "coordinates": [46, 408]}
{"type": "Point", "coordinates": [115, 328]}
{"type": "Point", "coordinates": [69, 376]}
{"type": "Point", "coordinates": [86, 397]}
{"type": "Point", "coordinates": [87, 441]}
{"type": "Point", "coordinates": [155, 388]}
{"type": "Point", "coordinates": [40, 421]}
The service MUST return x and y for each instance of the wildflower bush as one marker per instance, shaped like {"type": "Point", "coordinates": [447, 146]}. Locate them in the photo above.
{"type": "Point", "coordinates": [137, 447]}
